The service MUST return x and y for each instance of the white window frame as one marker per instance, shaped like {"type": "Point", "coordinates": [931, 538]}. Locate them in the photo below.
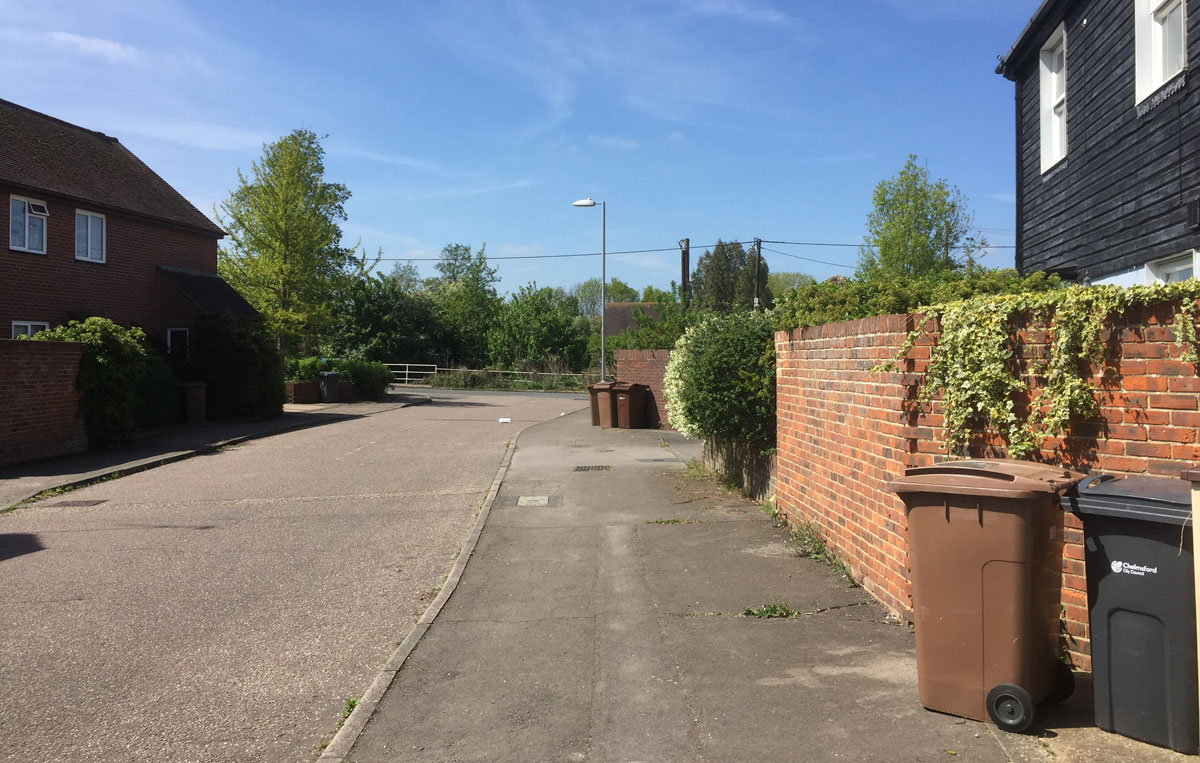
{"type": "Point", "coordinates": [29, 327]}
{"type": "Point", "coordinates": [103, 236]}
{"type": "Point", "coordinates": [43, 215]}
{"type": "Point", "coordinates": [1150, 46]}
{"type": "Point", "coordinates": [1053, 100]}
{"type": "Point", "coordinates": [1158, 271]}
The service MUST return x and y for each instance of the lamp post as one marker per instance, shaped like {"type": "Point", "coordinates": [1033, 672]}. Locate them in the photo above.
{"type": "Point", "coordinates": [603, 276]}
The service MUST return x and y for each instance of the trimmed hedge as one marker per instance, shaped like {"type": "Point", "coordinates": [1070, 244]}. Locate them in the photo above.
{"type": "Point", "coordinates": [720, 381]}
{"type": "Point", "coordinates": [112, 366]}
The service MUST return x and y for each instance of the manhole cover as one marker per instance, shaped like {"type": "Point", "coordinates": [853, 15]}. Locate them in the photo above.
{"type": "Point", "coordinates": [533, 500]}
{"type": "Point", "coordinates": [78, 504]}
{"type": "Point", "coordinates": [593, 468]}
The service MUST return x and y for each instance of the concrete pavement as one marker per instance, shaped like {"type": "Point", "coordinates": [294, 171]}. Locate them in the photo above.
{"type": "Point", "coordinates": [158, 448]}
{"type": "Point", "coordinates": [599, 619]}
{"type": "Point", "coordinates": [225, 607]}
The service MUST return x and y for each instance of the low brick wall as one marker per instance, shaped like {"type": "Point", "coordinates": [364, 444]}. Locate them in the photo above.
{"type": "Point", "coordinates": [743, 464]}
{"type": "Point", "coordinates": [645, 367]}
{"type": "Point", "coordinates": [844, 432]}
{"type": "Point", "coordinates": [39, 405]}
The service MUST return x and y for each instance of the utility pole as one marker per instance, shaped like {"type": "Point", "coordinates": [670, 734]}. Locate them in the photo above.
{"type": "Point", "coordinates": [685, 264]}
{"type": "Point", "coordinates": [757, 259]}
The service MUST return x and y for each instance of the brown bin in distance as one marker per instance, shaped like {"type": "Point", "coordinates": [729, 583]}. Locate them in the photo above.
{"type": "Point", "coordinates": [631, 405]}
{"type": "Point", "coordinates": [605, 411]}
{"type": "Point", "coordinates": [985, 551]}
{"type": "Point", "coordinates": [594, 405]}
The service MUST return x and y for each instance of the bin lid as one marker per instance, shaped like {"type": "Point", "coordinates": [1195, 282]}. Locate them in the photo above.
{"type": "Point", "coordinates": [602, 385]}
{"type": "Point", "coordinates": [1002, 478]}
{"type": "Point", "coordinates": [1153, 499]}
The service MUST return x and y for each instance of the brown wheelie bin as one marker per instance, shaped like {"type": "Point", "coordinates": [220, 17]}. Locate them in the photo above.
{"type": "Point", "coordinates": [604, 404]}
{"type": "Point", "coordinates": [985, 553]}
{"type": "Point", "coordinates": [631, 405]}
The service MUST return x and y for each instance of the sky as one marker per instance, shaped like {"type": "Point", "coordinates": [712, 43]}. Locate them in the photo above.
{"type": "Point", "coordinates": [481, 121]}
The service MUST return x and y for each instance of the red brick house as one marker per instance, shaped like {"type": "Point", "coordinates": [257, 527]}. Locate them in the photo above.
{"type": "Point", "coordinates": [94, 231]}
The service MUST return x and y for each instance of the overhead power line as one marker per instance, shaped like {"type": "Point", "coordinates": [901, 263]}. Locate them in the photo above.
{"type": "Point", "coordinates": [809, 259]}
{"type": "Point", "coordinates": [673, 249]}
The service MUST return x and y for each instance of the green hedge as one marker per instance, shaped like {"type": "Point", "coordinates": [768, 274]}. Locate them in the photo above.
{"type": "Point", "coordinates": [720, 381]}
{"type": "Point", "coordinates": [370, 379]}
{"type": "Point", "coordinates": [112, 367]}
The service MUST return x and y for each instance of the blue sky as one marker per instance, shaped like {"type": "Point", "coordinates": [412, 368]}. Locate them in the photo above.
{"type": "Point", "coordinates": [481, 121]}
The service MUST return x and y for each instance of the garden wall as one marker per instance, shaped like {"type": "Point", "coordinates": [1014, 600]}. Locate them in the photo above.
{"type": "Point", "coordinates": [39, 405]}
{"type": "Point", "coordinates": [844, 432]}
{"type": "Point", "coordinates": [645, 367]}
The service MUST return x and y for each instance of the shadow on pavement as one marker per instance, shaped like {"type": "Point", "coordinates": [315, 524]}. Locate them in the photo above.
{"type": "Point", "coordinates": [18, 544]}
{"type": "Point", "coordinates": [443, 403]}
{"type": "Point", "coordinates": [163, 443]}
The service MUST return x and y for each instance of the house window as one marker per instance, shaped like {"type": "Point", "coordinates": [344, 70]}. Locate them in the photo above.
{"type": "Point", "coordinates": [89, 236]}
{"type": "Point", "coordinates": [177, 345]}
{"type": "Point", "coordinates": [1172, 269]}
{"type": "Point", "coordinates": [28, 328]}
{"type": "Point", "coordinates": [27, 225]}
{"type": "Point", "coordinates": [1053, 86]}
{"type": "Point", "coordinates": [1160, 29]}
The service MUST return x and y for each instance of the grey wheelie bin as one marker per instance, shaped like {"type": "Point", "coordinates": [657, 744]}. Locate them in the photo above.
{"type": "Point", "coordinates": [985, 553]}
{"type": "Point", "coordinates": [1141, 607]}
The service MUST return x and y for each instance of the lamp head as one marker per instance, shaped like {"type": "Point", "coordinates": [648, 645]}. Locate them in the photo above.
{"type": "Point", "coordinates": [584, 203]}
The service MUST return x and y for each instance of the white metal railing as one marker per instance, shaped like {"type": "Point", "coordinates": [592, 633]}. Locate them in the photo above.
{"type": "Point", "coordinates": [420, 373]}
{"type": "Point", "coordinates": [411, 373]}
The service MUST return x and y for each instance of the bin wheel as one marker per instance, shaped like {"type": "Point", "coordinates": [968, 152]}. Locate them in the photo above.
{"type": "Point", "coordinates": [1010, 707]}
{"type": "Point", "coordinates": [1064, 683]}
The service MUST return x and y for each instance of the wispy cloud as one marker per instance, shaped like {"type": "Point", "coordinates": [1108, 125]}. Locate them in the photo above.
{"type": "Point", "coordinates": [96, 47]}
{"type": "Point", "coordinates": [1007, 197]}
{"type": "Point", "coordinates": [195, 134]}
{"type": "Point", "coordinates": [423, 165]}
{"type": "Point", "coordinates": [625, 144]}
{"type": "Point", "coordinates": [488, 189]}
{"type": "Point", "coordinates": [740, 10]}
{"type": "Point", "coordinates": [856, 156]}
{"type": "Point", "coordinates": [676, 137]}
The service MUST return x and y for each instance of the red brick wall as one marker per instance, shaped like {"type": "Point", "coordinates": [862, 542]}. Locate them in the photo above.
{"type": "Point", "coordinates": [53, 287]}
{"type": "Point", "coordinates": [844, 432]}
{"type": "Point", "coordinates": [39, 405]}
{"type": "Point", "coordinates": [645, 367]}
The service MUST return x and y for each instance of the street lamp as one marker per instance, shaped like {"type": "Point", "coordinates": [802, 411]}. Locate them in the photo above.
{"type": "Point", "coordinates": [603, 276]}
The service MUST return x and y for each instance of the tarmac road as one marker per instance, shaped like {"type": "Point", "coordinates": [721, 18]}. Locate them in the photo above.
{"type": "Point", "coordinates": [224, 608]}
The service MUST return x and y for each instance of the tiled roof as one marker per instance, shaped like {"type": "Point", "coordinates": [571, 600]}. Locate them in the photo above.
{"type": "Point", "coordinates": [41, 153]}
{"type": "Point", "coordinates": [209, 292]}
{"type": "Point", "coordinates": [619, 316]}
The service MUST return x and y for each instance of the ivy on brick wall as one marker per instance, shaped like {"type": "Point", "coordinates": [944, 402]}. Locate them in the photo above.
{"type": "Point", "coordinates": [976, 366]}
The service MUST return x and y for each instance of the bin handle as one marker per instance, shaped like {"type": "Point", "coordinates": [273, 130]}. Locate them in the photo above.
{"type": "Point", "coordinates": [1094, 480]}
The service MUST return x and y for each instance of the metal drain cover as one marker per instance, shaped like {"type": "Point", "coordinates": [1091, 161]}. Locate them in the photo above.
{"type": "Point", "coordinates": [593, 468]}
{"type": "Point", "coordinates": [78, 504]}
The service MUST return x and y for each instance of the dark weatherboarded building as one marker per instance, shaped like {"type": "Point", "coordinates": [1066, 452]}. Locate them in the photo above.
{"type": "Point", "coordinates": [1108, 139]}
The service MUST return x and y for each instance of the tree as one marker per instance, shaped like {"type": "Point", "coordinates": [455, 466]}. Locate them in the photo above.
{"type": "Point", "coordinates": [381, 320]}
{"type": "Point", "coordinates": [778, 283]}
{"type": "Point", "coordinates": [405, 274]}
{"type": "Point", "coordinates": [465, 295]}
{"type": "Point", "coordinates": [538, 327]}
{"type": "Point", "coordinates": [654, 294]}
{"type": "Point", "coordinates": [724, 279]}
{"type": "Point", "coordinates": [916, 228]}
{"type": "Point", "coordinates": [587, 294]}
{"type": "Point", "coordinates": [285, 254]}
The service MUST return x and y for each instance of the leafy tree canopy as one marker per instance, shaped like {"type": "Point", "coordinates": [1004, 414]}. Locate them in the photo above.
{"type": "Point", "coordinates": [724, 279]}
{"type": "Point", "coordinates": [916, 227]}
{"type": "Point", "coordinates": [778, 283]}
{"type": "Point", "coordinates": [587, 295]}
{"type": "Point", "coordinates": [467, 303]}
{"type": "Point", "coordinates": [284, 252]}
{"type": "Point", "coordinates": [539, 328]}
